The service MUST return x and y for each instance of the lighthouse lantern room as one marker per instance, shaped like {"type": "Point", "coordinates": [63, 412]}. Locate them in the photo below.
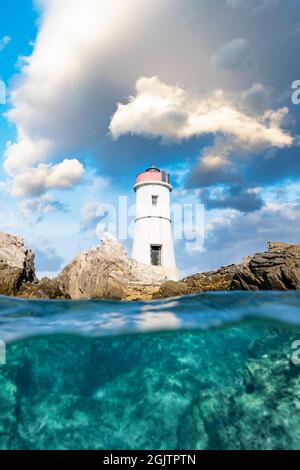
{"type": "Point", "coordinates": [153, 239]}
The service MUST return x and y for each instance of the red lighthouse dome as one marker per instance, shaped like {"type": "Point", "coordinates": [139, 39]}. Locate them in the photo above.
{"type": "Point", "coordinates": [153, 174]}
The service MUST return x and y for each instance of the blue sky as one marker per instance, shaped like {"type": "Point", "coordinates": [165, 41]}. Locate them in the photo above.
{"type": "Point", "coordinates": [98, 90]}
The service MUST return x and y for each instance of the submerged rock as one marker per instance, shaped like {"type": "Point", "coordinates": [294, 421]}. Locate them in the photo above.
{"type": "Point", "coordinates": [229, 388]}
{"type": "Point", "coordinates": [16, 264]}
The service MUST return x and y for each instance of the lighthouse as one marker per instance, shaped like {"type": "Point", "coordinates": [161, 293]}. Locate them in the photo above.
{"type": "Point", "coordinates": [153, 239]}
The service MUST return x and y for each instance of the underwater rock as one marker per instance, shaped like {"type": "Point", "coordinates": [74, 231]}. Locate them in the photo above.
{"type": "Point", "coordinates": [8, 409]}
{"type": "Point", "coordinates": [232, 388]}
{"type": "Point", "coordinates": [16, 264]}
{"type": "Point", "coordinates": [130, 392]}
{"type": "Point", "coordinates": [265, 414]}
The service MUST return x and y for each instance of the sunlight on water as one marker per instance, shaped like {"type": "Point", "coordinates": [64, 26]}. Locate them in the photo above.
{"type": "Point", "coordinates": [21, 318]}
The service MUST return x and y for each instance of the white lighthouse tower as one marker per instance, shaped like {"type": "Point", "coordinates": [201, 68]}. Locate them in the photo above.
{"type": "Point", "coordinates": [153, 240]}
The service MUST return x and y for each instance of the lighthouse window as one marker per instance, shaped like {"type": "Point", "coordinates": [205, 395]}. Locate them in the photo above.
{"type": "Point", "coordinates": [154, 200]}
{"type": "Point", "coordinates": [155, 252]}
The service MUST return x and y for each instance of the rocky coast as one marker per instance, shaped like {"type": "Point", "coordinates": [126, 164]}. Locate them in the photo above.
{"type": "Point", "coordinates": [107, 272]}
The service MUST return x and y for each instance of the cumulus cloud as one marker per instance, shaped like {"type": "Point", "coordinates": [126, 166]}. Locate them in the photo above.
{"type": "Point", "coordinates": [35, 181]}
{"type": "Point", "coordinates": [68, 86]}
{"type": "Point", "coordinates": [58, 102]}
{"type": "Point", "coordinates": [24, 154]}
{"type": "Point", "coordinates": [238, 126]}
{"type": "Point", "coordinates": [4, 42]}
{"type": "Point", "coordinates": [170, 112]}
{"type": "Point", "coordinates": [234, 55]}
{"type": "Point", "coordinates": [87, 56]}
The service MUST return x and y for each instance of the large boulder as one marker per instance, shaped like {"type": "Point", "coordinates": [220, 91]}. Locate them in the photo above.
{"type": "Point", "coordinates": [16, 264]}
{"type": "Point", "coordinates": [106, 272]}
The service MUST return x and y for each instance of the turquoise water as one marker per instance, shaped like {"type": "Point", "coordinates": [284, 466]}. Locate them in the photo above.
{"type": "Point", "coordinates": [210, 371]}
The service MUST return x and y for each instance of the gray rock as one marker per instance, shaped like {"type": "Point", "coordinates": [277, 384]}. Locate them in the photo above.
{"type": "Point", "coordinates": [16, 264]}
{"type": "Point", "coordinates": [44, 289]}
{"type": "Point", "coordinates": [106, 272]}
{"type": "Point", "coordinates": [276, 269]}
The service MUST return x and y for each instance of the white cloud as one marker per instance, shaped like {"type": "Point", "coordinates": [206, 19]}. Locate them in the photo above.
{"type": "Point", "coordinates": [170, 112]}
{"type": "Point", "coordinates": [234, 55]}
{"type": "Point", "coordinates": [41, 206]}
{"type": "Point", "coordinates": [24, 153]}
{"type": "Point", "coordinates": [88, 54]}
{"type": "Point", "coordinates": [63, 84]}
{"type": "Point", "coordinates": [59, 101]}
{"type": "Point", "coordinates": [35, 181]}
{"type": "Point", "coordinates": [4, 42]}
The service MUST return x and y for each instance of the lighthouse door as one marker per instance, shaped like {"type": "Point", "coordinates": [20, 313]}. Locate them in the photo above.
{"type": "Point", "coordinates": [155, 253]}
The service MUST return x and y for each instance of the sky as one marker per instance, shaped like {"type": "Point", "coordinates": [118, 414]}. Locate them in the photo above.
{"type": "Point", "coordinates": [97, 90]}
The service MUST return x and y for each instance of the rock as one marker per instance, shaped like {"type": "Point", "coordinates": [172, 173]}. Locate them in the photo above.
{"type": "Point", "coordinates": [211, 281]}
{"type": "Point", "coordinates": [16, 264]}
{"type": "Point", "coordinates": [44, 289]}
{"type": "Point", "coordinates": [276, 269]}
{"type": "Point", "coordinates": [143, 292]}
{"type": "Point", "coordinates": [172, 289]}
{"type": "Point", "coordinates": [106, 272]}
{"type": "Point", "coordinates": [275, 247]}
